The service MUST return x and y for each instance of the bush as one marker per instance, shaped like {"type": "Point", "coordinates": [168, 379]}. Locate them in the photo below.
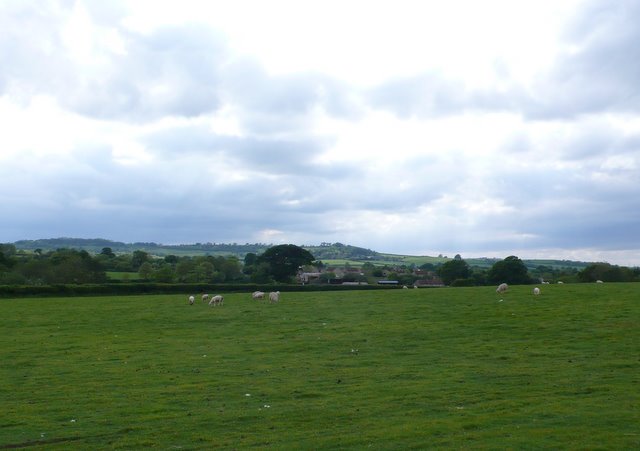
{"type": "Point", "coordinates": [463, 283]}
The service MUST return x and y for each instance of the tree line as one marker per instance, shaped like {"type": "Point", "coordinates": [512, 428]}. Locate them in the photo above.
{"type": "Point", "coordinates": [72, 266]}
{"type": "Point", "coordinates": [512, 270]}
{"type": "Point", "coordinates": [277, 264]}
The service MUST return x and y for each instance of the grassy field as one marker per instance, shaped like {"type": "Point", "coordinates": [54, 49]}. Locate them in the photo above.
{"type": "Point", "coordinates": [459, 368]}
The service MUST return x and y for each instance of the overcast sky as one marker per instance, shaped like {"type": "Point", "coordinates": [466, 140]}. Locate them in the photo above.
{"type": "Point", "coordinates": [488, 128]}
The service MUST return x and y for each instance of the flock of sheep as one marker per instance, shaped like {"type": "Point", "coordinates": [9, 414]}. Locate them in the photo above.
{"type": "Point", "coordinates": [503, 287]}
{"type": "Point", "coordinates": [536, 291]}
{"type": "Point", "coordinates": [218, 299]}
{"type": "Point", "coordinates": [274, 296]}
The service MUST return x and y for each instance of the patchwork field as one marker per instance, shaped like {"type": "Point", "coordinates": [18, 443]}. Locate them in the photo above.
{"type": "Point", "coordinates": [394, 369]}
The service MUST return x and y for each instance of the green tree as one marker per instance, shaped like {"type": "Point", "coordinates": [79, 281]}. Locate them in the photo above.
{"type": "Point", "coordinates": [185, 270]}
{"type": "Point", "coordinates": [145, 271]}
{"type": "Point", "coordinates": [72, 266]}
{"type": "Point", "coordinates": [327, 276]}
{"type": "Point", "coordinates": [606, 272]}
{"type": "Point", "coordinates": [107, 252]}
{"type": "Point", "coordinates": [171, 259]}
{"type": "Point", "coordinates": [454, 269]}
{"type": "Point", "coordinates": [138, 258]}
{"type": "Point", "coordinates": [261, 273]}
{"type": "Point", "coordinates": [204, 271]}
{"type": "Point", "coordinates": [164, 274]}
{"type": "Point", "coordinates": [284, 260]}
{"type": "Point", "coordinates": [511, 270]}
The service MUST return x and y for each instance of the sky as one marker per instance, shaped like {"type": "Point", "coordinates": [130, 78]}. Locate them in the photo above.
{"type": "Point", "coordinates": [485, 129]}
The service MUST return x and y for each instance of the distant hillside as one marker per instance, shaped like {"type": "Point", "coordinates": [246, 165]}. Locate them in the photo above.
{"type": "Point", "coordinates": [325, 251]}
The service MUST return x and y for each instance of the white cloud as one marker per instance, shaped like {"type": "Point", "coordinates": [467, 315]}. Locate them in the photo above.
{"type": "Point", "coordinates": [484, 128]}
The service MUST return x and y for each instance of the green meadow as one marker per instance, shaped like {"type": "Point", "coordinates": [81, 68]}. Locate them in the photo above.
{"type": "Point", "coordinates": [450, 368]}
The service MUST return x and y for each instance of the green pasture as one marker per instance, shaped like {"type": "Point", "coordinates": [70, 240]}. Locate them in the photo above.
{"type": "Point", "coordinates": [450, 368]}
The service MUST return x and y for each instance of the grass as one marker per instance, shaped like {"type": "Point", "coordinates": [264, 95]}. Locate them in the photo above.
{"type": "Point", "coordinates": [393, 369]}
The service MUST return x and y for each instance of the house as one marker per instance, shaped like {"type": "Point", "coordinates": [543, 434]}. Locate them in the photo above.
{"type": "Point", "coordinates": [433, 281]}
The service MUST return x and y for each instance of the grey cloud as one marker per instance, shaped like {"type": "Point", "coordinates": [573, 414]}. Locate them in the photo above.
{"type": "Point", "coordinates": [273, 104]}
{"type": "Point", "coordinates": [276, 155]}
{"type": "Point", "coordinates": [184, 70]}
{"type": "Point", "coordinates": [424, 95]}
{"type": "Point", "coordinates": [173, 71]}
{"type": "Point", "coordinates": [29, 60]}
{"type": "Point", "coordinates": [602, 75]}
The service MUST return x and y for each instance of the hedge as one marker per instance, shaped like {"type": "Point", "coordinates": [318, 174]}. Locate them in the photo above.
{"type": "Point", "coordinates": [64, 290]}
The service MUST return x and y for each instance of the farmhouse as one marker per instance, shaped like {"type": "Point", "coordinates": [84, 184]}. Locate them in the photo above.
{"type": "Point", "coordinates": [433, 281]}
{"type": "Point", "coordinates": [387, 282]}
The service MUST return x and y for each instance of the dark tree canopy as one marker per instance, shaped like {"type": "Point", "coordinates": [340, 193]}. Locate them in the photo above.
{"type": "Point", "coordinates": [453, 270]}
{"type": "Point", "coordinates": [284, 260]}
{"type": "Point", "coordinates": [511, 270]}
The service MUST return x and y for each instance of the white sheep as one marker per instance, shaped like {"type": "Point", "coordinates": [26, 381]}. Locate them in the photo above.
{"type": "Point", "coordinates": [205, 297]}
{"type": "Point", "coordinates": [216, 300]}
{"type": "Point", "coordinates": [274, 296]}
{"type": "Point", "coordinates": [191, 300]}
{"type": "Point", "coordinates": [405, 287]}
{"type": "Point", "coordinates": [257, 295]}
{"type": "Point", "coordinates": [599, 281]}
{"type": "Point", "coordinates": [536, 291]}
{"type": "Point", "coordinates": [502, 288]}
{"type": "Point", "coordinates": [560, 281]}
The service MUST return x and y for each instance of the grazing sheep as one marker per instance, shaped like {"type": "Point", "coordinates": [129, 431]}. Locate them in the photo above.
{"type": "Point", "coordinates": [216, 300]}
{"type": "Point", "coordinates": [405, 287]}
{"type": "Point", "coordinates": [599, 281]}
{"type": "Point", "coordinates": [536, 291]}
{"type": "Point", "coordinates": [560, 281]}
{"type": "Point", "coordinates": [257, 295]}
{"type": "Point", "coordinates": [191, 300]}
{"type": "Point", "coordinates": [502, 288]}
{"type": "Point", "coordinates": [205, 297]}
{"type": "Point", "coordinates": [274, 297]}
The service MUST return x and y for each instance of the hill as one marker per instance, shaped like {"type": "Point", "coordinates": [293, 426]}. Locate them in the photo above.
{"type": "Point", "coordinates": [333, 253]}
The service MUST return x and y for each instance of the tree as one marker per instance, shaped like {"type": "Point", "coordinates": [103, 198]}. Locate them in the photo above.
{"type": "Point", "coordinates": [164, 274]}
{"type": "Point", "coordinates": [511, 270]}
{"type": "Point", "coordinates": [454, 269]}
{"type": "Point", "coordinates": [171, 259]}
{"type": "Point", "coordinates": [107, 252]}
{"type": "Point", "coordinates": [606, 272]}
{"type": "Point", "coordinates": [138, 258]}
{"type": "Point", "coordinates": [145, 271]}
{"type": "Point", "coordinates": [72, 266]}
{"type": "Point", "coordinates": [284, 260]}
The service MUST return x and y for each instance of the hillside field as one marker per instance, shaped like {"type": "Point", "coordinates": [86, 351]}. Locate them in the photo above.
{"type": "Point", "coordinates": [449, 368]}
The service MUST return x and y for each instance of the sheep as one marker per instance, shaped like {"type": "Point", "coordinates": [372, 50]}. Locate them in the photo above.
{"type": "Point", "coordinates": [205, 297]}
{"type": "Point", "coordinates": [599, 281]}
{"type": "Point", "coordinates": [216, 300]}
{"type": "Point", "coordinates": [502, 288]}
{"type": "Point", "coordinates": [560, 281]}
{"type": "Point", "coordinates": [191, 300]}
{"type": "Point", "coordinates": [536, 291]}
{"type": "Point", "coordinates": [404, 287]}
{"type": "Point", "coordinates": [257, 295]}
{"type": "Point", "coordinates": [274, 296]}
